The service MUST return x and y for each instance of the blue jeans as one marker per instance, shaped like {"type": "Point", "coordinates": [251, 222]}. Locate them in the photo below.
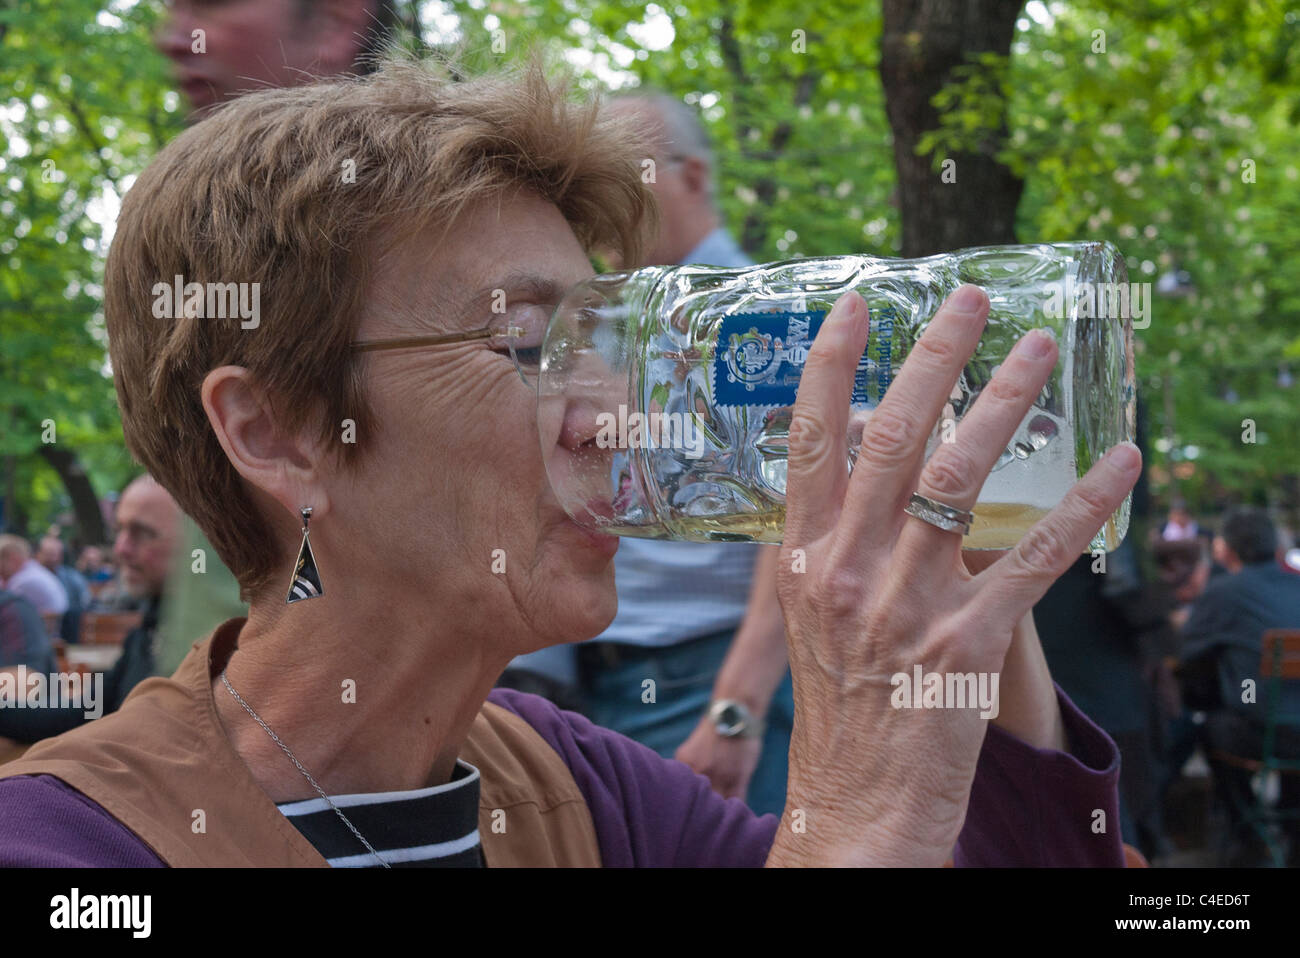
{"type": "Point", "coordinates": [683, 675]}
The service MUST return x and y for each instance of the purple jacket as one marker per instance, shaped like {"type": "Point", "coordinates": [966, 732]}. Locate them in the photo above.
{"type": "Point", "coordinates": [1028, 806]}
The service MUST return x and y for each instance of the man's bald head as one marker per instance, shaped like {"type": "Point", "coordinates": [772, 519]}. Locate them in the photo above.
{"type": "Point", "coordinates": [148, 526]}
{"type": "Point", "coordinates": [672, 136]}
{"type": "Point", "coordinates": [671, 126]}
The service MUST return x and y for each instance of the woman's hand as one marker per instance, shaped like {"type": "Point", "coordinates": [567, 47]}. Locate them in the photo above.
{"type": "Point", "coordinates": [880, 592]}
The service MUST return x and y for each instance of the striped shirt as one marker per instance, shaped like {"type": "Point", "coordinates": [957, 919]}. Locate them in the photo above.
{"type": "Point", "coordinates": [433, 827]}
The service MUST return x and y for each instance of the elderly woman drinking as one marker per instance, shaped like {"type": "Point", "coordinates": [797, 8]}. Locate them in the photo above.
{"type": "Point", "coordinates": [359, 443]}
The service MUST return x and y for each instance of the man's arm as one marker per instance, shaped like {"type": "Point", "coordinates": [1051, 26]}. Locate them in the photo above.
{"type": "Point", "coordinates": [755, 664]}
{"type": "Point", "coordinates": [29, 725]}
{"type": "Point", "coordinates": [1027, 700]}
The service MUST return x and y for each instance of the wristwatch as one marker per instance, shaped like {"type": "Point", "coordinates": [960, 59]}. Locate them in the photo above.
{"type": "Point", "coordinates": [731, 719]}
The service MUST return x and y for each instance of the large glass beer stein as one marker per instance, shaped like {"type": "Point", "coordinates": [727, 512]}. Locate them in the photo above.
{"type": "Point", "coordinates": [685, 377]}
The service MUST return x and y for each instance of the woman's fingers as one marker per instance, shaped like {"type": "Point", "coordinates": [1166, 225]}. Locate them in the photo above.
{"type": "Point", "coordinates": [955, 472]}
{"type": "Point", "coordinates": [1015, 582]}
{"type": "Point", "coordinates": [893, 442]}
{"type": "Point", "coordinates": [817, 470]}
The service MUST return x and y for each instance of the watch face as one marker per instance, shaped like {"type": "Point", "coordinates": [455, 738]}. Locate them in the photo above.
{"type": "Point", "coordinates": [729, 720]}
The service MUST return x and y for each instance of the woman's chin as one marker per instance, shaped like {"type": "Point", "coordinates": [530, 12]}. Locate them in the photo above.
{"type": "Point", "coordinates": [582, 599]}
{"type": "Point", "coordinates": [580, 614]}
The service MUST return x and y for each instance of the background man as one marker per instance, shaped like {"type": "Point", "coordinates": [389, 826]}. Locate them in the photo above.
{"type": "Point", "coordinates": [249, 45]}
{"type": "Point", "coordinates": [1181, 525]}
{"type": "Point", "coordinates": [52, 554]}
{"type": "Point", "coordinates": [92, 566]}
{"type": "Point", "coordinates": [701, 620]}
{"type": "Point", "coordinates": [254, 44]}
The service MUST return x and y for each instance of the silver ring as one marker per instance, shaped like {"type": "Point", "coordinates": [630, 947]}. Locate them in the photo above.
{"type": "Point", "coordinates": [947, 518]}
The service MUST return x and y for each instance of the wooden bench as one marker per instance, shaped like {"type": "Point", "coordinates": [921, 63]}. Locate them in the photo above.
{"type": "Point", "coordinates": [107, 628]}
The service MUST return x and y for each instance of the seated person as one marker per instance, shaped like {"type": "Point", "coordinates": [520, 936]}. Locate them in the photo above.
{"type": "Point", "coordinates": [1184, 573]}
{"type": "Point", "coordinates": [22, 575]}
{"type": "Point", "coordinates": [1220, 658]}
{"type": "Point", "coordinates": [358, 495]}
{"type": "Point", "coordinates": [91, 564]}
{"type": "Point", "coordinates": [50, 553]}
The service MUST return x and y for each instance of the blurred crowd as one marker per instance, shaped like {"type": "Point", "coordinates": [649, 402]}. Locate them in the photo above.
{"type": "Point", "coordinates": [109, 600]}
{"type": "Point", "coordinates": [1163, 645]}
{"type": "Point", "coordinates": [41, 580]}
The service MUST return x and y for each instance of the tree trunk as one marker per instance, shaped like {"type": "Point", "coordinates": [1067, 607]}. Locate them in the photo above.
{"type": "Point", "coordinates": [753, 234]}
{"type": "Point", "coordinates": [921, 42]}
{"type": "Point", "coordinates": [85, 505]}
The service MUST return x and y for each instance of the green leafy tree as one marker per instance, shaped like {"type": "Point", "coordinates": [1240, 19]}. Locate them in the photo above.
{"type": "Point", "coordinates": [791, 99]}
{"type": "Point", "coordinates": [1171, 132]}
{"type": "Point", "coordinates": [87, 105]}
{"type": "Point", "coordinates": [1166, 129]}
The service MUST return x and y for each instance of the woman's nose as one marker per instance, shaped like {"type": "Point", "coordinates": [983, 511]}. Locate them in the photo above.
{"type": "Point", "coordinates": [589, 400]}
{"type": "Point", "coordinates": [585, 420]}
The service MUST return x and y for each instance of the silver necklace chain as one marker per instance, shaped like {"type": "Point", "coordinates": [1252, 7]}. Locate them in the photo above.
{"type": "Point", "coordinates": [306, 774]}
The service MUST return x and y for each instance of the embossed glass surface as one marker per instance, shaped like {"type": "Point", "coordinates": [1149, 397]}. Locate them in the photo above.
{"type": "Point", "coordinates": [666, 393]}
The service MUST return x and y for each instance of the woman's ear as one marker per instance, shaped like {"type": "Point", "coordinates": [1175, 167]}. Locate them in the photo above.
{"type": "Point", "coordinates": [282, 464]}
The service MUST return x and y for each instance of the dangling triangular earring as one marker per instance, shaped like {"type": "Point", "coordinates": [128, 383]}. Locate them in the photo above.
{"type": "Point", "coordinates": [306, 577]}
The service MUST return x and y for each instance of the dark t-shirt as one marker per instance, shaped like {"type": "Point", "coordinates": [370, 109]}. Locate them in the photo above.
{"type": "Point", "coordinates": [1225, 632]}
{"type": "Point", "coordinates": [22, 635]}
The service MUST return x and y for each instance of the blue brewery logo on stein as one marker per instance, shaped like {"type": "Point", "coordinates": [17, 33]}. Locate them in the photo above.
{"type": "Point", "coordinates": [761, 356]}
{"type": "Point", "coordinates": [749, 357]}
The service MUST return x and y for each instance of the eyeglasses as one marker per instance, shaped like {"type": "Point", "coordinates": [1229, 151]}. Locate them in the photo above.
{"type": "Point", "coordinates": [518, 334]}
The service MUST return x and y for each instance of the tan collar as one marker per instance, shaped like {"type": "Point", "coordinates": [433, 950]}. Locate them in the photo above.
{"type": "Point", "coordinates": [163, 767]}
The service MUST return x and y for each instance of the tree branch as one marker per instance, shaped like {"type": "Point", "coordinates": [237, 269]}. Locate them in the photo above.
{"type": "Point", "coordinates": [88, 132]}
{"type": "Point", "coordinates": [755, 226]}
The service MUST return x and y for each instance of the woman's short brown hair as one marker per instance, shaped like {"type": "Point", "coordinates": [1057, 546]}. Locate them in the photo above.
{"type": "Point", "coordinates": [299, 191]}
